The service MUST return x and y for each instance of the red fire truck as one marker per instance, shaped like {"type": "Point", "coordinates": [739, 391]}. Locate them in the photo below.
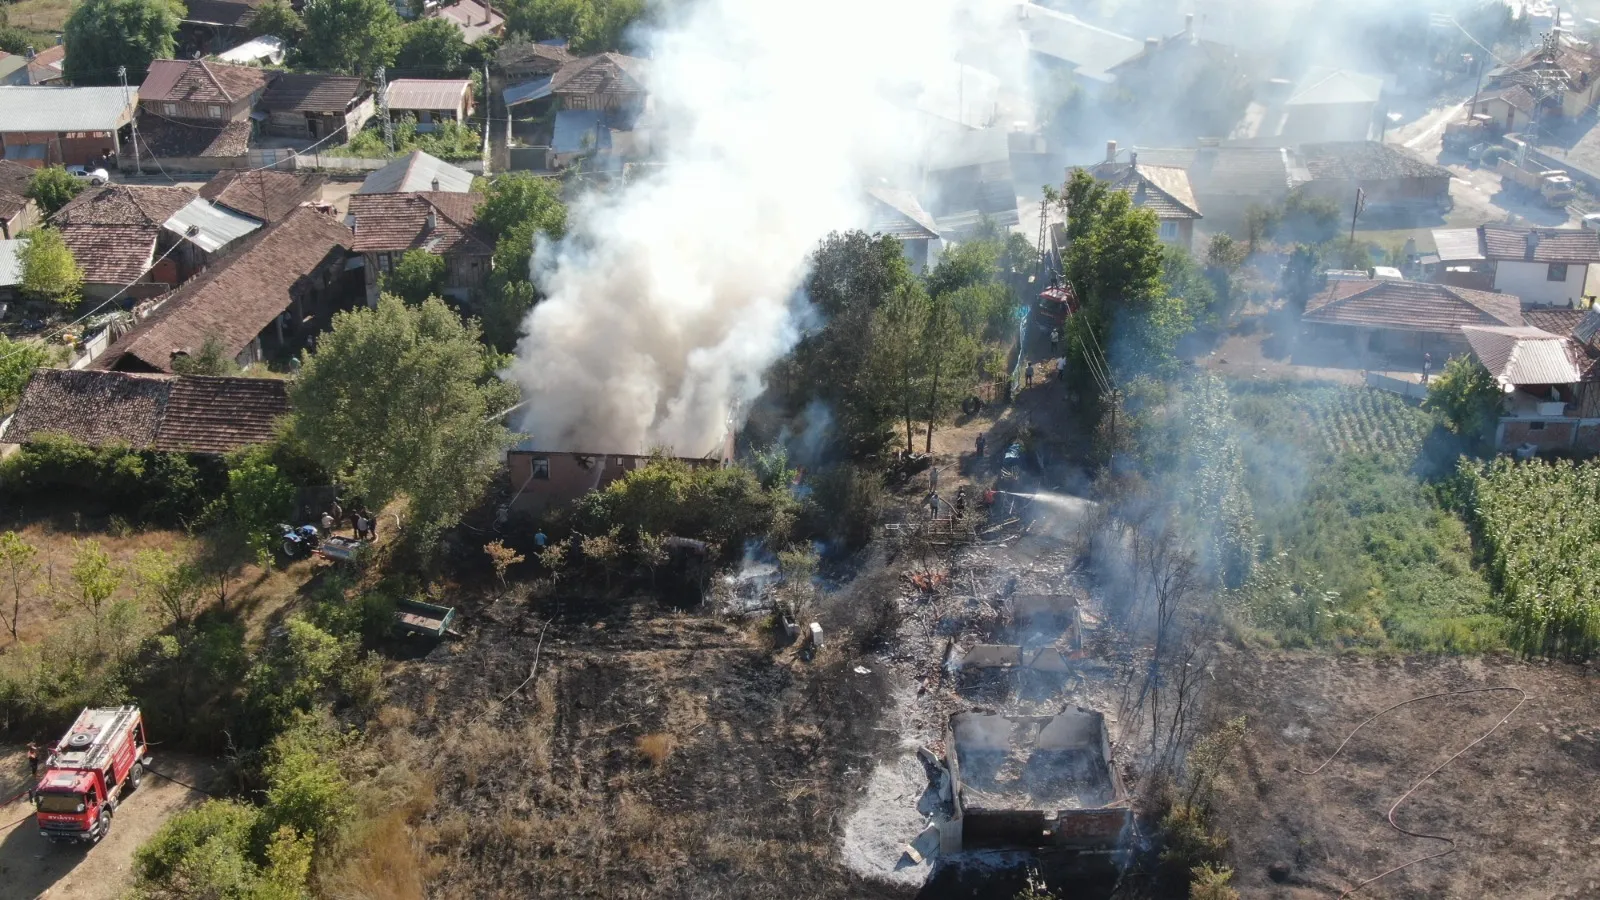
{"type": "Point", "coordinates": [100, 760]}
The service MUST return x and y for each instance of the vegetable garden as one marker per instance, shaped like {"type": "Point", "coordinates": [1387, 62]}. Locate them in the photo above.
{"type": "Point", "coordinates": [1537, 522]}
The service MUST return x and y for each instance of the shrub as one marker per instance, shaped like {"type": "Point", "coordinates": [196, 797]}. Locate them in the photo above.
{"type": "Point", "coordinates": [142, 485]}
{"type": "Point", "coordinates": [1208, 882]}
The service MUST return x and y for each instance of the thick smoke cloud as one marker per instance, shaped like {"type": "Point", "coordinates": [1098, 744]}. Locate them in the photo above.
{"type": "Point", "coordinates": [671, 296]}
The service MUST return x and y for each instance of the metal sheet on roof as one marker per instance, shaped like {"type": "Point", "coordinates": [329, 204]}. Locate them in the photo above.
{"type": "Point", "coordinates": [53, 108]}
{"type": "Point", "coordinates": [1525, 356]}
{"type": "Point", "coordinates": [214, 226]}
{"type": "Point", "coordinates": [11, 262]}
{"type": "Point", "coordinates": [265, 47]}
{"type": "Point", "coordinates": [527, 91]}
{"type": "Point", "coordinates": [427, 93]}
{"type": "Point", "coordinates": [1457, 244]}
{"type": "Point", "coordinates": [417, 172]}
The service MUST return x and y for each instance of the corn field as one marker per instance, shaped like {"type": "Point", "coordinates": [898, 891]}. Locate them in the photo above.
{"type": "Point", "coordinates": [1364, 420]}
{"type": "Point", "coordinates": [1537, 520]}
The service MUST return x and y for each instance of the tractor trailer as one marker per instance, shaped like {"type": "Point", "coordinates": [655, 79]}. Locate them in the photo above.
{"type": "Point", "coordinates": [99, 761]}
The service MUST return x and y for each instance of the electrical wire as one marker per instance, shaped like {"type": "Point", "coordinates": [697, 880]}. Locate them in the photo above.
{"type": "Point", "coordinates": [1522, 698]}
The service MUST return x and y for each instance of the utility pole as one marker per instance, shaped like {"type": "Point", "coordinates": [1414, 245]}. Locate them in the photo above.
{"type": "Point", "coordinates": [383, 105]}
{"type": "Point", "coordinates": [138, 165]}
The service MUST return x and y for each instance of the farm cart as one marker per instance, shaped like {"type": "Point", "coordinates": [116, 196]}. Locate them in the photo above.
{"type": "Point", "coordinates": [426, 619]}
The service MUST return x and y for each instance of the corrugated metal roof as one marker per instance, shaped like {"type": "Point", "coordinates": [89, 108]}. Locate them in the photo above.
{"type": "Point", "coordinates": [427, 93]}
{"type": "Point", "coordinates": [53, 108]}
{"type": "Point", "coordinates": [1323, 85]}
{"type": "Point", "coordinates": [1457, 244]}
{"type": "Point", "coordinates": [216, 227]}
{"type": "Point", "coordinates": [1090, 49]}
{"type": "Point", "coordinates": [898, 214]}
{"type": "Point", "coordinates": [11, 262]}
{"type": "Point", "coordinates": [528, 90]}
{"type": "Point", "coordinates": [578, 130]}
{"type": "Point", "coordinates": [257, 48]}
{"type": "Point", "coordinates": [417, 172]}
{"type": "Point", "coordinates": [1526, 356]}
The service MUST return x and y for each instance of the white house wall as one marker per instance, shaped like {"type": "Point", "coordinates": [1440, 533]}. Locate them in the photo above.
{"type": "Point", "coordinates": [1528, 281]}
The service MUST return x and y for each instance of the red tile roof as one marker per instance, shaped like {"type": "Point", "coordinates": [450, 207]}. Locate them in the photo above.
{"type": "Point", "coordinates": [237, 298]}
{"type": "Point", "coordinates": [198, 81]}
{"type": "Point", "coordinates": [193, 414]}
{"type": "Point", "coordinates": [600, 74]}
{"type": "Point", "coordinates": [261, 194]}
{"type": "Point", "coordinates": [124, 204]}
{"type": "Point", "coordinates": [111, 254]}
{"type": "Point", "coordinates": [1410, 306]}
{"type": "Point", "coordinates": [160, 136]}
{"type": "Point", "coordinates": [112, 230]}
{"type": "Point", "coordinates": [291, 92]}
{"type": "Point", "coordinates": [387, 223]}
{"type": "Point", "coordinates": [14, 179]}
{"type": "Point", "coordinates": [1552, 245]}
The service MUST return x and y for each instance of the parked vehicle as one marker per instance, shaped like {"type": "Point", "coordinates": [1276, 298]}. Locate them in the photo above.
{"type": "Point", "coordinates": [302, 541]}
{"type": "Point", "coordinates": [1459, 136]}
{"type": "Point", "coordinates": [1591, 221]}
{"type": "Point", "coordinates": [95, 177]}
{"type": "Point", "coordinates": [99, 761]}
{"type": "Point", "coordinates": [1550, 185]}
{"type": "Point", "coordinates": [340, 549]}
{"type": "Point", "coordinates": [424, 619]}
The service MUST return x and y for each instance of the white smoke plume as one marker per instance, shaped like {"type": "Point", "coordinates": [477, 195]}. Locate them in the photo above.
{"type": "Point", "coordinates": [671, 297]}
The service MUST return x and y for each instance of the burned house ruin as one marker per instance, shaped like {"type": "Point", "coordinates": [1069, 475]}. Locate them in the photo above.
{"type": "Point", "coordinates": [1033, 782]}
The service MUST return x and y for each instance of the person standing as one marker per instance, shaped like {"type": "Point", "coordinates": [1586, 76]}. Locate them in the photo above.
{"type": "Point", "coordinates": [1055, 341]}
{"type": "Point", "coordinates": [1427, 366]}
{"type": "Point", "coordinates": [361, 526]}
{"type": "Point", "coordinates": [983, 442]}
{"type": "Point", "coordinates": [33, 759]}
{"type": "Point", "coordinates": [337, 511]}
{"type": "Point", "coordinates": [1027, 376]}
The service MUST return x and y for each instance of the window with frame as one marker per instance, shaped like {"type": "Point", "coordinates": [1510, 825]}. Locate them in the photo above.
{"type": "Point", "coordinates": [383, 262]}
{"type": "Point", "coordinates": [169, 109]}
{"type": "Point", "coordinates": [577, 102]}
{"type": "Point", "coordinates": [541, 468]}
{"type": "Point", "coordinates": [1536, 426]}
{"type": "Point", "coordinates": [1557, 272]}
{"type": "Point", "coordinates": [1169, 230]}
{"type": "Point", "coordinates": [214, 112]}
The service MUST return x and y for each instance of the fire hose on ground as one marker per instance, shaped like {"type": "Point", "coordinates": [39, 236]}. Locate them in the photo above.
{"type": "Point", "coordinates": [1522, 698]}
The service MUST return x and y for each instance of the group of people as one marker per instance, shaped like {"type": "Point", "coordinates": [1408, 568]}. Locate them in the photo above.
{"type": "Point", "coordinates": [364, 522]}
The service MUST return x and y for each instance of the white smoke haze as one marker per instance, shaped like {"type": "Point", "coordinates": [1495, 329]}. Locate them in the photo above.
{"type": "Point", "coordinates": [670, 298]}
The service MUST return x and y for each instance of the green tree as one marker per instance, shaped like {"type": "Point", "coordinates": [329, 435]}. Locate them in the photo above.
{"type": "Point", "coordinates": [18, 563]}
{"type": "Point", "coordinates": [1116, 264]}
{"type": "Point", "coordinates": [103, 35]}
{"type": "Point", "coordinates": [52, 187]}
{"type": "Point", "coordinates": [307, 792]}
{"type": "Point", "coordinates": [277, 18]}
{"type": "Point", "coordinates": [18, 359]}
{"type": "Point", "coordinates": [213, 359]}
{"type": "Point", "coordinates": [1225, 258]}
{"type": "Point", "coordinates": [259, 497]}
{"type": "Point", "coordinates": [403, 400]}
{"type": "Point", "coordinates": [48, 270]}
{"type": "Point", "coordinates": [516, 198]}
{"type": "Point", "coordinates": [1302, 276]}
{"type": "Point", "coordinates": [416, 277]}
{"type": "Point", "coordinates": [94, 579]}
{"type": "Point", "coordinates": [897, 335]}
{"type": "Point", "coordinates": [502, 310]}
{"type": "Point", "coordinates": [1307, 219]}
{"type": "Point", "coordinates": [351, 36]}
{"type": "Point", "coordinates": [1467, 396]}
{"type": "Point", "coordinates": [546, 19]}
{"type": "Point", "coordinates": [169, 586]}
{"type": "Point", "coordinates": [434, 44]}
{"type": "Point", "coordinates": [296, 669]}
{"type": "Point", "coordinates": [949, 353]}
{"type": "Point", "coordinates": [201, 852]}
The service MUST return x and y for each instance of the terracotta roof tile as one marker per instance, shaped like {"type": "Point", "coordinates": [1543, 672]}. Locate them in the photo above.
{"type": "Point", "coordinates": [1529, 356]}
{"type": "Point", "coordinates": [14, 179]}
{"type": "Point", "coordinates": [1411, 306]}
{"type": "Point", "coordinates": [603, 73]}
{"type": "Point", "coordinates": [111, 254]}
{"type": "Point", "coordinates": [399, 222]}
{"type": "Point", "coordinates": [1366, 161]}
{"type": "Point", "coordinates": [124, 204]}
{"type": "Point", "coordinates": [1554, 245]}
{"type": "Point", "coordinates": [1563, 322]}
{"type": "Point", "coordinates": [264, 195]}
{"type": "Point", "coordinates": [527, 57]}
{"type": "Point", "coordinates": [199, 81]}
{"type": "Point", "coordinates": [192, 414]}
{"type": "Point", "coordinates": [312, 93]}
{"type": "Point", "coordinates": [160, 136]}
{"type": "Point", "coordinates": [237, 298]}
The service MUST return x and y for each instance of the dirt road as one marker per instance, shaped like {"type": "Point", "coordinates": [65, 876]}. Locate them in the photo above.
{"type": "Point", "coordinates": [30, 867]}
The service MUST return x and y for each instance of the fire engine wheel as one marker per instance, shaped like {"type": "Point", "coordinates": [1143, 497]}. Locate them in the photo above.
{"type": "Point", "coordinates": [135, 775]}
{"type": "Point", "coordinates": [104, 827]}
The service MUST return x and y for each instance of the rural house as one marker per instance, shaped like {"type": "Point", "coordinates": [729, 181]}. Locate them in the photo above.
{"type": "Point", "coordinates": [388, 225]}
{"type": "Point", "coordinates": [198, 109]}
{"type": "Point", "coordinates": [1570, 74]}
{"type": "Point", "coordinates": [1227, 181]}
{"type": "Point", "coordinates": [897, 214]}
{"type": "Point", "coordinates": [117, 232]}
{"type": "Point", "coordinates": [967, 180]}
{"type": "Point", "coordinates": [1543, 266]}
{"type": "Point", "coordinates": [1331, 105]}
{"type": "Point", "coordinates": [18, 212]}
{"type": "Point", "coordinates": [1060, 43]}
{"type": "Point", "coordinates": [417, 171]}
{"type": "Point", "coordinates": [1406, 317]}
{"type": "Point", "coordinates": [44, 67]}
{"type": "Point", "coordinates": [316, 106]}
{"type": "Point", "coordinates": [1510, 107]}
{"type": "Point", "coordinates": [475, 18]}
{"type": "Point", "coordinates": [64, 126]}
{"type": "Point", "coordinates": [431, 100]}
{"type": "Point", "coordinates": [167, 413]}
{"type": "Point", "coordinates": [13, 68]}
{"type": "Point", "coordinates": [1552, 384]}
{"type": "Point", "coordinates": [1164, 190]}
{"type": "Point", "coordinates": [542, 480]}
{"type": "Point", "coordinates": [610, 82]}
{"type": "Point", "coordinates": [262, 302]}
{"type": "Point", "coordinates": [263, 194]}
{"type": "Point", "coordinates": [11, 269]}
{"type": "Point", "coordinates": [521, 59]}
{"type": "Point", "coordinates": [1394, 180]}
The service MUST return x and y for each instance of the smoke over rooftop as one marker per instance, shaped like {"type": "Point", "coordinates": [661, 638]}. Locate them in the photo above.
{"type": "Point", "coordinates": [672, 295]}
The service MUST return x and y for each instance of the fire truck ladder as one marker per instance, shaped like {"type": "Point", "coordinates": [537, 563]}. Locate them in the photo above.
{"type": "Point", "coordinates": [98, 754]}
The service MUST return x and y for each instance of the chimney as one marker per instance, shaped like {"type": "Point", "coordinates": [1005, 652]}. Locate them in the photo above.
{"type": "Point", "coordinates": [436, 184]}
{"type": "Point", "coordinates": [1133, 159]}
{"type": "Point", "coordinates": [28, 53]}
{"type": "Point", "coordinates": [1188, 24]}
{"type": "Point", "coordinates": [433, 219]}
{"type": "Point", "coordinates": [1111, 151]}
{"type": "Point", "coordinates": [1150, 44]}
{"type": "Point", "coordinates": [1533, 242]}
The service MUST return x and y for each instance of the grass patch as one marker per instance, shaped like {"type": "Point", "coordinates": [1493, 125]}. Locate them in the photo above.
{"type": "Point", "coordinates": [44, 17]}
{"type": "Point", "coordinates": [656, 747]}
{"type": "Point", "coordinates": [1358, 549]}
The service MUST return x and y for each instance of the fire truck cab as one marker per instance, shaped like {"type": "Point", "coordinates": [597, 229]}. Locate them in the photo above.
{"type": "Point", "coordinates": [99, 761]}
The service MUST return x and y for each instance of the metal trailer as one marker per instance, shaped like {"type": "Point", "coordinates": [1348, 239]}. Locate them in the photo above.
{"type": "Point", "coordinates": [425, 619]}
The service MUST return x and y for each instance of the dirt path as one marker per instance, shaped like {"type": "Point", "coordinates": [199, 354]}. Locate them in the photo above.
{"type": "Point", "coordinates": [31, 867]}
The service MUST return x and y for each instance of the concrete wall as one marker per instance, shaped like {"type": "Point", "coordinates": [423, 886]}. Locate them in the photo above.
{"type": "Point", "coordinates": [26, 218]}
{"type": "Point", "coordinates": [1531, 282]}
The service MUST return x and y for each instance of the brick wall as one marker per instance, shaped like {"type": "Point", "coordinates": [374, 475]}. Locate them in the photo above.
{"type": "Point", "coordinates": [1553, 436]}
